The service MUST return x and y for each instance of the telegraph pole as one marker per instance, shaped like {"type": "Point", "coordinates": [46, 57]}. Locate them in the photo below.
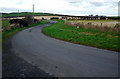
{"type": "Point", "coordinates": [33, 13]}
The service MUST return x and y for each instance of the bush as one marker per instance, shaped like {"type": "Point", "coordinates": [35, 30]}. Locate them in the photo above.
{"type": "Point", "coordinates": [56, 18]}
{"type": "Point", "coordinates": [21, 22]}
{"type": "Point", "coordinates": [28, 20]}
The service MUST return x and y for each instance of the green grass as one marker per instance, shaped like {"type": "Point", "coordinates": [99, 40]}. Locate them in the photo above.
{"type": "Point", "coordinates": [8, 34]}
{"type": "Point", "coordinates": [24, 13]}
{"type": "Point", "coordinates": [89, 37]}
{"type": "Point", "coordinates": [5, 23]}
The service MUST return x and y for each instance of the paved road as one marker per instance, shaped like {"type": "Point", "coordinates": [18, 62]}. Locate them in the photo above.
{"type": "Point", "coordinates": [63, 59]}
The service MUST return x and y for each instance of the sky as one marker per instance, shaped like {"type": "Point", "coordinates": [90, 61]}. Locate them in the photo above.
{"type": "Point", "coordinates": [66, 7]}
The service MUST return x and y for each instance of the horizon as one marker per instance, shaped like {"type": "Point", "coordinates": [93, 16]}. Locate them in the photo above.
{"type": "Point", "coordinates": [64, 7]}
{"type": "Point", "coordinates": [62, 14]}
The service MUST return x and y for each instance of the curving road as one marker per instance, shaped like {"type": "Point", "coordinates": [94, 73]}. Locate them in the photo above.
{"type": "Point", "coordinates": [63, 59]}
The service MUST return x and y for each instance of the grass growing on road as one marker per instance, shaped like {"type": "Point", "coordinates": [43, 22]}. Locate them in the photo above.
{"type": "Point", "coordinates": [89, 37]}
{"type": "Point", "coordinates": [9, 33]}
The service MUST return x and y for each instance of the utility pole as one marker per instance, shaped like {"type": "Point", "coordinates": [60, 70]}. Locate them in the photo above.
{"type": "Point", "coordinates": [33, 13]}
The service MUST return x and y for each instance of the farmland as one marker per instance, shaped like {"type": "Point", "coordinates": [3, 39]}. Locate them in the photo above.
{"type": "Point", "coordinates": [110, 23]}
{"type": "Point", "coordinates": [26, 13]}
{"type": "Point", "coordinates": [89, 37]}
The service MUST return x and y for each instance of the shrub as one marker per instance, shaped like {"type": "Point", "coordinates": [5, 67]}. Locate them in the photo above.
{"type": "Point", "coordinates": [21, 22]}
{"type": "Point", "coordinates": [54, 18]}
{"type": "Point", "coordinates": [28, 20]}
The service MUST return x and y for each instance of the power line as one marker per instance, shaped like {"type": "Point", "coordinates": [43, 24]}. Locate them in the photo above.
{"type": "Point", "coordinates": [33, 12]}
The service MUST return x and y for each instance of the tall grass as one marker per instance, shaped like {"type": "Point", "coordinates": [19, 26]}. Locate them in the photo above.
{"type": "Point", "coordinates": [103, 28]}
{"type": "Point", "coordinates": [5, 24]}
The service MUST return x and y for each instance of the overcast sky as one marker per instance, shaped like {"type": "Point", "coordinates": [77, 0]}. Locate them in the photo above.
{"type": "Point", "coordinates": [67, 7]}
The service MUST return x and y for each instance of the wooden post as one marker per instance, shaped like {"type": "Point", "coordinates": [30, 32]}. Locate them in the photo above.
{"type": "Point", "coordinates": [33, 13]}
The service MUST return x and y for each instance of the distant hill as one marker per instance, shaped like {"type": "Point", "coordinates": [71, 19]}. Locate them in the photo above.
{"type": "Point", "coordinates": [15, 14]}
{"type": "Point", "coordinates": [6, 15]}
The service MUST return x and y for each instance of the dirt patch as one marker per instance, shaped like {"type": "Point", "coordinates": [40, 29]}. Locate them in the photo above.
{"type": "Point", "coordinates": [110, 35]}
{"type": "Point", "coordinates": [86, 33]}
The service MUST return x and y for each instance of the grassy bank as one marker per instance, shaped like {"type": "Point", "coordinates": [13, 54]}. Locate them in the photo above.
{"type": "Point", "coordinates": [9, 33]}
{"type": "Point", "coordinates": [5, 23]}
{"type": "Point", "coordinates": [89, 37]}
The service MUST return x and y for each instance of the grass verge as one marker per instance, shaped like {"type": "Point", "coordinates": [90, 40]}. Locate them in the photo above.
{"type": "Point", "coordinates": [8, 34]}
{"type": "Point", "coordinates": [89, 37]}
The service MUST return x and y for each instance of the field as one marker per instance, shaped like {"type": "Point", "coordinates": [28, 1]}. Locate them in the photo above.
{"type": "Point", "coordinates": [25, 13]}
{"type": "Point", "coordinates": [109, 23]}
{"type": "Point", "coordinates": [89, 37]}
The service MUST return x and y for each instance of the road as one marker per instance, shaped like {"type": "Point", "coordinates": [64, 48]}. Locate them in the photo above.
{"type": "Point", "coordinates": [63, 59]}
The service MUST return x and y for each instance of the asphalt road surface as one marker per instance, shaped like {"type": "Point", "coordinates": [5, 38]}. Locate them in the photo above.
{"type": "Point", "coordinates": [63, 59]}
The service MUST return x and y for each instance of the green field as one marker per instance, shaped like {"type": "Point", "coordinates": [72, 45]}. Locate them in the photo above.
{"type": "Point", "coordinates": [26, 13]}
{"type": "Point", "coordinates": [9, 33]}
{"type": "Point", "coordinates": [89, 37]}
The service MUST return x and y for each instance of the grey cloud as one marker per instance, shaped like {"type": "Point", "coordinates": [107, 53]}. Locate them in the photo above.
{"type": "Point", "coordinates": [75, 4]}
{"type": "Point", "coordinates": [74, 1]}
{"type": "Point", "coordinates": [8, 9]}
{"type": "Point", "coordinates": [97, 4]}
{"type": "Point", "coordinates": [20, 2]}
{"type": "Point", "coordinates": [115, 3]}
{"type": "Point", "coordinates": [5, 9]}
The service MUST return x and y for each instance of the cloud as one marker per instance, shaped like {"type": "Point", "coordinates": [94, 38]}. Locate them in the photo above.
{"type": "Point", "coordinates": [102, 1]}
{"type": "Point", "coordinates": [70, 7]}
{"type": "Point", "coordinates": [97, 4]}
{"type": "Point", "coordinates": [20, 2]}
{"type": "Point", "coordinates": [4, 9]}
